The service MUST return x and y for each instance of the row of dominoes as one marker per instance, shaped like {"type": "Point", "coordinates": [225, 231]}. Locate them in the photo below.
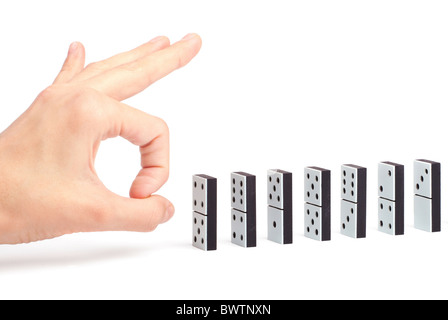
{"type": "Point", "coordinates": [317, 206]}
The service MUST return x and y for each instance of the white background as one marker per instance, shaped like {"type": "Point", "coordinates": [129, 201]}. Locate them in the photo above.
{"type": "Point", "coordinates": [277, 84]}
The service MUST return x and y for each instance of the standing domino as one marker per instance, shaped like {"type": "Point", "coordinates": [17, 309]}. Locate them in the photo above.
{"type": "Point", "coordinates": [204, 212]}
{"type": "Point", "coordinates": [427, 195]}
{"type": "Point", "coordinates": [353, 203]}
{"type": "Point", "coordinates": [391, 198]}
{"type": "Point", "coordinates": [317, 203]}
{"type": "Point", "coordinates": [280, 206]}
{"type": "Point", "coordinates": [243, 211]}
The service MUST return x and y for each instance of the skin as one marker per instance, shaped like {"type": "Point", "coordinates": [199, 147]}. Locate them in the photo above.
{"type": "Point", "coordinates": [48, 184]}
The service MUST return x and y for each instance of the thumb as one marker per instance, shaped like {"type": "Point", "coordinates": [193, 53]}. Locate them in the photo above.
{"type": "Point", "coordinates": [142, 215]}
{"type": "Point", "coordinates": [74, 63]}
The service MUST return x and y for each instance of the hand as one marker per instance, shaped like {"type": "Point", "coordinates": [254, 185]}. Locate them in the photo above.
{"type": "Point", "coordinates": [48, 183]}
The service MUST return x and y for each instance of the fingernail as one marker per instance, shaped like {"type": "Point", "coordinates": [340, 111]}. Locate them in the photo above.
{"type": "Point", "coordinates": [73, 48]}
{"type": "Point", "coordinates": [169, 212]}
{"type": "Point", "coordinates": [189, 36]}
{"type": "Point", "coordinates": [157, 39]}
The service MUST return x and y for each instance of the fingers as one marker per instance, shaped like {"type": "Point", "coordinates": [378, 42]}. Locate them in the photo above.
{"type": "Point", "coordinates": [108, 211]}
{"type": "Point", "coordinates": [148, 48]}
{"type": "Point", "coordinates": [148, 132]}
{"type": "Point", "coordinates": [126, 80]}
{"type": "Point", "coordinates": [141, 215]}
{"type": "Point", "coordinates": [74, 63]}
{"type": "Point", "coordinates": [155, 168]}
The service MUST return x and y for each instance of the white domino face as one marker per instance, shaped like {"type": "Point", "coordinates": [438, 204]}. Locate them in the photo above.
{"type": "Point", "coordinates": [349, 183]}
{"type": "Point", "coordinates": [422, 179]}
{"type": "Point", "coordinates": [353, 200]}
{"type": "Point", "coordinates": [204, 212]}
{"type": "Point", "coordinates": [239, 228]}
{"type": "Point", "coordinates": [279, 200]}
{"type": "Point", "coordinates": [199, 194]}
{"type": "Point", "coordinates": [275, 189]}
{"type": "Point", "coordinates": [313, 222]}
{"type": "Point", "coordinates": [199, 231]}
{"type": "Point", "coordinates": [386, 181]}
{"type": "Point", "coordinates": [243, 209]}
{"type": "Point", "coordinates": [238, 192]}
{"type": "Point", "coordinates": [427, 194]}
{"type": "Point", "coordinates": [349, 214]}
{"type": "Point", "coordinates": [423, 220]}
{"type": "Point", "coordinates": [313, 186]}
{"type": "Point", "coordinates": [275, 225]}
{"type": "Point", "coordinates": [386, 216]}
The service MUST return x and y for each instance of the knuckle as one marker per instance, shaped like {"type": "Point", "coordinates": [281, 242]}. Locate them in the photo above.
{"type": "Point", "coordinates": [183, 57]}
{"type": "Point", "coordinates": [164, 174]}
{"type": "Point", "coordinates": [132, 67]}
{"type": "Point", "coordinates": [180, 61]}
{"type": "Point", "coordinates": [95, 67]}
{"type": "Point", "coordinates": [48, 94]}
{"type": "Point", "coordinates": [86, 104]}
{"type": "Point", "coordinates": [164, 39]}
{"type": "Point", "coordinates": [75, 106]}
{"type": "Point", "coordinates": [84, 95]}
{"type": "Point", "coordinates": [164, 129]}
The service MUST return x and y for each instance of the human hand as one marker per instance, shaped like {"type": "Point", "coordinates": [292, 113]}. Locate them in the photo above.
{"type": "Point", "coordinates": [48, 183]}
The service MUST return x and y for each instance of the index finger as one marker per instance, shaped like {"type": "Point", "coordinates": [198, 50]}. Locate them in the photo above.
{"type": "Point", "coordinates": [148, 132]}
{"type": "Point", "coordinates": [124, 81]}
{"type": "Point", "coordinates": [145, 49]}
